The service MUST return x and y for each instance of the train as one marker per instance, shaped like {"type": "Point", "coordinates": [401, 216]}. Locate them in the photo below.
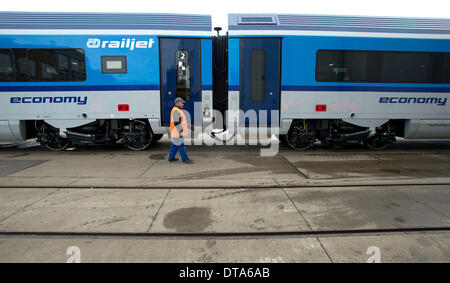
{"type": "Point", "coordinates": [111, 78]}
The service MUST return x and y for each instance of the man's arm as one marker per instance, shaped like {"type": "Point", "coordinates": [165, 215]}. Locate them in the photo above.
{"type": "Point", "coordinates": [176, 118]}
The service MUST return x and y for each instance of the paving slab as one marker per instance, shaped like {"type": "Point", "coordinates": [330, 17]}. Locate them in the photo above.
{"type": "Point", "coordinates": [163, 250]}
{"type": "Point", "coordinates": [435, 197]}
{"type": "Point", "coordinates": [420, 165]}
{"type": "Point", "coordinates": [363, 208]}
{"type": "Point", "coordinates": [335, 166]}
{"type": "Point", "coordinates": [89, 211]}
{"type": "Point", "coordinates": [14, 200]}
{"type": "Point", "coordinates": [228, 210]}
{"type": "Point", "coordinates": [48, 181]}
{"type": "Point", "coordinates": [405, 248]}
{"type": "Point", "coordinates": [91, 166]}
{"type": "Point", "coordinates": [219, 166]}
{"type": "Point", "coordinates": [10, 166]}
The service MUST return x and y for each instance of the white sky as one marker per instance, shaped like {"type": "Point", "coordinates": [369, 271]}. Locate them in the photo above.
{"type": "Point", "coordinates": [220, 9]}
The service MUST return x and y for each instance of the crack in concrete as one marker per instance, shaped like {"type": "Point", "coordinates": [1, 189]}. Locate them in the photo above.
{"type": "Point", "coordinates": [151, 165]}
{"type": "Point", "coordinates": [424, 204]}
{"type": "Point", "coordinates": [307, 223]}
{"type": "Point", "coordinates": [296, 169]}
{"type": "Point", "coordinates": [28, 205]}
{"type": "Point", "coordinates": [157, 212]}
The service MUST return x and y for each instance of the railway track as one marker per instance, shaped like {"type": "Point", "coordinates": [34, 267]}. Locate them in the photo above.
{"type": "Point", "coordinates": [310, 185]}
{"type": "Point", "coordinates": [271, 234]}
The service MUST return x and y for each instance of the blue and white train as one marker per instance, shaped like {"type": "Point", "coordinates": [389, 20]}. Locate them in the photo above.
{"type": "Point", "coordinates": [88, 78]}
{"type": "Point", "coordinates": [343, 79]}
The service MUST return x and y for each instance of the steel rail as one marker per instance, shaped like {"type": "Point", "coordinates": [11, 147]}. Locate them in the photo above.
{"type": "Point", "coordinates": [143, 235]}
{"type": "Point", "coordinates": [273, 186]}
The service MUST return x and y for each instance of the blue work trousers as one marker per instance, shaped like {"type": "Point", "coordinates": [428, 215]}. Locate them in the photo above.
{"type": "Point", "coordinates": [178, 145]}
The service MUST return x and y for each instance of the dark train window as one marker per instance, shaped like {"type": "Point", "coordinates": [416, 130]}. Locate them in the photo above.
{"type": "Point", "coordinates": [382, 66]}
{"type": "Point", "coordinates": [258, 76]}
{"type": "Point", "coordinates": [114, 64]}
{"type": "Point", "coordinates": [41, 65]}
{"type": "Point", "coordinates": [183, 74]}
{"type": "Point", "coordinates": [6, 65]}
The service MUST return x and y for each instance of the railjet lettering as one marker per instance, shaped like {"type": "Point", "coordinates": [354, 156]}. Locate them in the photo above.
{"type": "Point", "coordinates": [47, 99]}
{"type": "Point", "coordinates": [414, 100]}
{"type": "Point", "coordinates": [124, 43]}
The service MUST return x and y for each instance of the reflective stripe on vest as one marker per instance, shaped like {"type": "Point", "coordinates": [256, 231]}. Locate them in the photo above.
{"type": "Point", "coordinates": [174, 132]}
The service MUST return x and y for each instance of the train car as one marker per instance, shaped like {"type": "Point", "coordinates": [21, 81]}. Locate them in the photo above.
{"type": "Point", "coordinates": [340, 79]}
{"type": "Point", "coordinates": [101, 78]}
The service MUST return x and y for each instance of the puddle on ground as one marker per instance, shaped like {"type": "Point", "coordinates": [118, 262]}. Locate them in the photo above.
{"type": "Point", "coordinates": [191, 219]}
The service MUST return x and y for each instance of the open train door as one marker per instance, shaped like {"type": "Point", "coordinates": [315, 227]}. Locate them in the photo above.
{"type": "Point", "coordinates": [260, 77]}
{"type": "Point", "coordinates": [180, 61]}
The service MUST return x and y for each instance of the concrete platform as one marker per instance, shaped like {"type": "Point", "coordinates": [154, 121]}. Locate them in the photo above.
{"type": "Point", "coordinates": [223, 210]}
{"type": "Point", "coordinates": [228, 210]}
{"type": "Point", "coordinates": [224, 166]}
{"type": "Point", "coordinates": [83, 210]}
{"type": "Point", "coordinates": [393, 248]}
{"type": "Point", "coordinates": [171, 250]}
{"type": "Point", "coordinates": [372, 207]}
{"type": "Point", "coordinates": [227, 189]}
{"type": "Point", "coordinates": [407, 248]}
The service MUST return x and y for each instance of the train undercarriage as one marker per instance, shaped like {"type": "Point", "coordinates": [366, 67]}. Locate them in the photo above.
{"type": "Point", "coordinates": [133, 134]}
{"type": "Point", "coordinates": [303, 134]}
{"type": "Point", "coordinates": [138, 135]}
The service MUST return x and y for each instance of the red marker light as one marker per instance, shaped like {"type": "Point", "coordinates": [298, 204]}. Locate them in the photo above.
{"type": "Point", "coordinates": [321, 107]}
{"type": "Point", "coordinates": [124, 107]}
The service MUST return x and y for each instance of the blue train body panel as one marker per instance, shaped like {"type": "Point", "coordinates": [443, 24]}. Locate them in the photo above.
{"type": "Point", "coordinates": [130, 40]}
{"type": "Point", "coordinates": [302, 50]}
{"type": "Point", "coordinates": [365, 102]}
{"type": "Point", "coordinates": [142, 63]}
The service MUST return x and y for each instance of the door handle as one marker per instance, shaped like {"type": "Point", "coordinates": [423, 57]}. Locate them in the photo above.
{"type": "Point", "coordinates": [169, 93]}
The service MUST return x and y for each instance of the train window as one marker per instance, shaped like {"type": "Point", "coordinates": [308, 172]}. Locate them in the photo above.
{"type": "Point", "coordinates": [6, 65]}
{"type": "Point", "coordinates": [56, 65]}
{"type": "Point", "coordinates": [258, 76]}
{"type": "Point", "coordinates": [405, 67]}
{"type": "Point", "coordinates": [382, 66]}
{"type": "Point", "coordinates": [114, 64]}
{"type": "Point", "coordinates": [329, 66]}
{"type": "Point", "coordinates": [37, 65]}
{"type": "Point", "coordinates": [183, 74]}
{"type": "Point", "coordinates": [441, 68]}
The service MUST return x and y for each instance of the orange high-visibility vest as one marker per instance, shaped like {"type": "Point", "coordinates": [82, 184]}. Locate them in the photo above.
{"type": "Point", "coordinates": [174, 132]}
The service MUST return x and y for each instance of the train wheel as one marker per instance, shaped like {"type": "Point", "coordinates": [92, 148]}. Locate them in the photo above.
{"type": "Point", "coordinates": [298, 137]}
{"type": "Point", "coordinates": [377, 142]}
{"type": "Point", "coordinates": [139, 137]}
{"type": "Point", "coordinates": [54, 141]}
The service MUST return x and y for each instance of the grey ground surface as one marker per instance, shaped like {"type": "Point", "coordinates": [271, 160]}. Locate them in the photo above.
{"type": "Point", "coordinates": [114, 190]}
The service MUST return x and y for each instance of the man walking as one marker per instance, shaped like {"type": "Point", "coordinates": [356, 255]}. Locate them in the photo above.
{"type": "Point", "coordinates": [178, 129]}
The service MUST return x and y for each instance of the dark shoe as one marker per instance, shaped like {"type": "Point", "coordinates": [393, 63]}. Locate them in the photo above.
{"type": "Point", "coordinates": [172, 160]}
{"type": "Point", "coordinates": [189, 161]}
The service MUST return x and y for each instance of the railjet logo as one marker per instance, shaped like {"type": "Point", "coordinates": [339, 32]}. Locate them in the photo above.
{"type": "Point", "coordinates": [48, 99]}
{"type": "Point", "coordinates": [414, 100]}
{"type": "Point", "coordinates": [127, 43]}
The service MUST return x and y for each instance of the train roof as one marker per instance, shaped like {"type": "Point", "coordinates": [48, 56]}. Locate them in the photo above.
{"type": "Point", "coordinates": [290, 22]}
{"type": "Point", "coordinates": [104, 21]}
